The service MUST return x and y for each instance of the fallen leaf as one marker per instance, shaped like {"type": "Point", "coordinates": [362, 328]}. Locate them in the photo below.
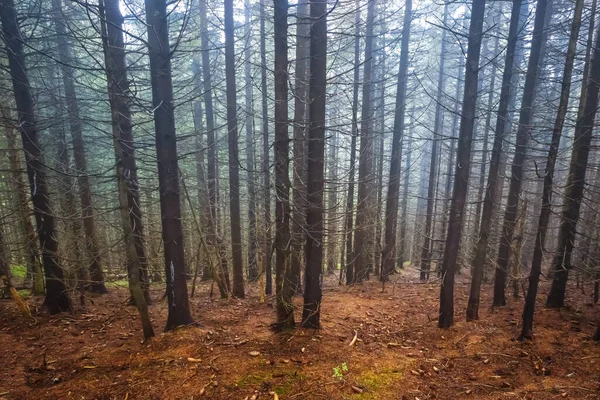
{"type": "Point", "coordinates": [194, 360]}
{"type": "Point", "coordinates": [254, 353]}
{"type": "Point", "coordinates": [357, 389]}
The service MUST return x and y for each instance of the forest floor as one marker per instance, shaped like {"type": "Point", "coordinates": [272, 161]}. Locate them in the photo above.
{"type": "Point", "coordinates": [96, 353]}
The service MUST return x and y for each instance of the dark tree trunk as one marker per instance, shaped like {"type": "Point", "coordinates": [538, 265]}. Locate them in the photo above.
{"type": "Point", "coordinates": [574, 191]}
{"type": "Point", "coordinates": [311, 313]}
{"type": "Point", "coordinates": [300, 124]}
{"type": "Point", "coordinates": [433, 167]}
{"type": "Point", "coordinates": [522, 139]}
{"type": "Point", "coordinates": [349, 265]}
{"type": "Point", "coordinates": [404, 249]}
{"type": "Point", "coordinates": [57, 298]}
{"type": "Point", "coordinates": [492, 188]}
{"type": "Point", "coordinates": [234, 173]}
{"type": "Point", "coordinates": [168, 169]}
{"type": "Point", "coordinates": [283, 275]}
{"type": "Point", "coordinates": [363, 239]}
{"type": "Point", "coordinates": [330, 259]}
{"type": "Point", "coordinates": [463, 161]}
{"type": "Point", "coordinates": [266, 147]}
{"type": "Point", "coordinates": [391, 206]}
{"type": "Point", "coordinates": [128, 184]}
{"type": "Point", "coordinates": [213, 238]}
{"type": "Point", "coordinates": [249, 126]}
{"type": "Point", "coordinates": [96, 284]}
{"type": "Point", "coordinates": [536, 265]}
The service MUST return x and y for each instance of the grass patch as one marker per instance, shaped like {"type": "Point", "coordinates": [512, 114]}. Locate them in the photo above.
{"type": "Point", "coordinates": [18, 271]}
{"type": "Point", "coordinates": [376, 383]}
{"type": "Point", "coordinates": [118, 283]}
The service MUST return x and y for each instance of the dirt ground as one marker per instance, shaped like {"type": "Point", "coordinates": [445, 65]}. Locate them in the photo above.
{"type": "Point", "coordinates": [96, 353]}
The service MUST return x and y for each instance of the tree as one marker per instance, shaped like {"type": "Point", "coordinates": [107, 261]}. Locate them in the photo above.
{"type": "Point", "coordinates": [168, 169]}
{"type": "Point", "coordinates": [582, 139]}
{"type": "Point", "coordinates": [362, 238]}
{"type": "Point", "coordinates": [463, 161]}
{"type": "Point", "coordinates": [522, 139]}
{"type": "Point", "coordinates": [300, 128]}
{"type": "Point", "coordinates": [57, 298]}
{"type": "Point", "coordinates": [76, 128]}
{"type": "Point", "coordinates": [491, 197]}
{"type": "Point", "coordinates": [391, 207]}
{"type": "Point", "coordinates": [283, 273]}
{"type": "Point", "coordinates": [348, 223]}
{"type": "Point", "coordinates": [234, 173]}
{"type": "Point", "coordinates": [127, 179]}
{"type": "Point", "coordinates": [433, 166]}
{"type": "Point", "coordinates": [311, 313]}
{"type": "Point", "coordinates": [266, 147]}
{"type": "Point", "coordinates": [249, 126]}
{"type": "Point", "coordinates": [222, 275]}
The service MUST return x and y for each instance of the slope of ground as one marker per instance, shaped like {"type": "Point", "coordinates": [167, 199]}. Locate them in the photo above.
{"type": "Point", "coordinates": [96, 353]}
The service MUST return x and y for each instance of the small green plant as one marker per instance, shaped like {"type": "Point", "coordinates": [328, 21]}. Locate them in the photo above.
{"type": "Point", "coordinates": [338, 372]}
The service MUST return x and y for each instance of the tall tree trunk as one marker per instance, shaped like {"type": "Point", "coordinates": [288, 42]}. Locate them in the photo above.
{"type": "Point", "coordinates": [234, 173]}
{"type": "Point", "coordinates": [491, 195]}
{"type": "Point", "coordinates": [249, 125]}
{"type": "Point", "coordinates": [463, 161]}
{"type": "Point", "coordinates": [391, 206]}
{"type": "Point", "coordinates": [57, 298]}
{"type": "Point", "coordinates": [127, 177]}
{"type": "Point", "coordinates": [437, 130]}
{"type": "Point", "coordinates": [350, 275]}
{"type": "Point", "coordinates": [522, 139]}
{"type": "Point", "coordinates": [266, 147]}
{"type": "Point", "coordinates": [332, 202]}
{"type": "Point", "coordinates": [222, 275]}
{"type": "Point", "coordinates": [404, 249]}
{"type": "Point", "coordinates": [18, 185]}
{"type": "Point", "coordinates": [363, 239]}
{"type": "Point", "coordinates": [85, 192]}
{"type": "Point", "coordinates": [283, 275]}
{"type": "Point", "coordinates": [311, 313]}
{"type": "Point", "coordinates": [168, 169]}
{"type": "Point", "coordinates": [300, 127]}
{"type": "Point", "coordinates": [544, 218]}
{"type": "Point", "coordinates": [574, 191]}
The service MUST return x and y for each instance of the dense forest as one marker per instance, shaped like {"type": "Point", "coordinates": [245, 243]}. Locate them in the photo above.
{"type": "Point", "coordinates": [355, 199]}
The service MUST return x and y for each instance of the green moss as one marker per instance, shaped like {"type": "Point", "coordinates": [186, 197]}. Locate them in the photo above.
{"type": "Point", "coordinates": [119, 283]}
{"type": "Point", "coordinates": [18, 271]}
{"type": "Point", "coordinates": [376, 383]}
{"type": "Point", "coordinates": [282, 385]}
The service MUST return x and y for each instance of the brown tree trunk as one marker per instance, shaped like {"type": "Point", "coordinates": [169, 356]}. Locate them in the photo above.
{"type": "Point", "coordinates": [348, 224]}
{"type": "Point", "coordinates": [283, 275]}
{"type": "Point", "coordinates": [96, 284]}
{"type": "Point", "coordinates": [266, 146]}
{"type": "Point", "coordinates": [32, 253]}
{"type": "Point", "coordinates": [363, 239]}
{"type": "Point", "coordinates": [300, 127]}
{"type": "Point", "coordinates": [222, 275]}
{"type": "Point", "coordinates": [311, 313]}
{"type": "Point", "coordinates": [249, 126]}
{"type": "Point", "coordinates": [522, 139]}
{"type": "Point", "coordinates": [234, 173]}
{"type": "Point", "coordinates": [56, 299]}
{"type": "Point", "coordinates": [391, 206]}
{"type": "Point", "coordinates": [433, 167]}
{"type": "Point", "coordinates": [463, 161]}
{"type": "Point", "coordinates": [127, 180]}
{"type": "Point", "coordinates": [491, 195]}
{"type": "Point", "coordinates": [168, 170]}
{"type": "Point", "coordinates": [574, 191]}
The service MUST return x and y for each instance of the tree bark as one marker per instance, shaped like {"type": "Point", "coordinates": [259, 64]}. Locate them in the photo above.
{"type": "Point", "coordinates": [522, 139]}
{"type": "Point", "coordinates": [363, 239]}
{"type": "Point", "coordinates": [57, 299]}
{"type": "Point", "coordinates": [168, 169]}
{"type": "Point", "coordinates": [349, 222]}
{"type": "Point", "coordinates": [283, 273]}
{"type": "Point", "coordinates": [574, 191]}
{"type": "Point", "coordinates": [311, 313]}
{"type": "Point", "coordinates": [463, 161]}
{"type": "Point", "coordinates": [391, 206]}
{"type": "Point", "coordinates": [96, 284]}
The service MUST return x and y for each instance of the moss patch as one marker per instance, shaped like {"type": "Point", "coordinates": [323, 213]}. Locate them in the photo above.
{"type": "Point", "coordinates": [18, 271]}
{"type": "Point", "coordinates": [377, 382]}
